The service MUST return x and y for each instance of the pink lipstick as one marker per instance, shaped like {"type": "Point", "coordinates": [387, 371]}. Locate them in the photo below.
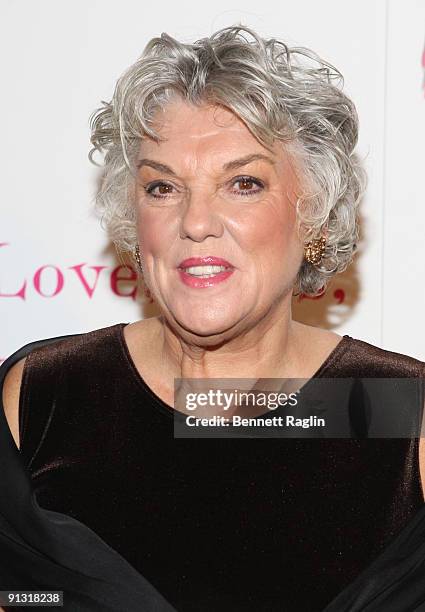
{"type": "Point", "coordinates": [201, 272]}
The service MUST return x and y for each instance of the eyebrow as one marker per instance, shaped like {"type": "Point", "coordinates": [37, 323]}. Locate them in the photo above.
{"type": "Point", "coordinates": [231, 165]}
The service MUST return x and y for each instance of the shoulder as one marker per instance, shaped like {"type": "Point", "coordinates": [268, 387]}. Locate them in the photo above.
{"type": "Point", "coordinates": [367, 360]}
{"type": "Point", "coordinates": [53, 354]}
{"type": "Point", "coordinates": [46, 360]}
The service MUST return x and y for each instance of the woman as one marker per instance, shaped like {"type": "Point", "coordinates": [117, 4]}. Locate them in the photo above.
{"type": "Point", "coordinates": [230, 175]}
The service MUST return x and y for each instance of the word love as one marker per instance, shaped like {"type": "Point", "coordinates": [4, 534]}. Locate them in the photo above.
{"type": "Point", "coordinates": [49, 281]}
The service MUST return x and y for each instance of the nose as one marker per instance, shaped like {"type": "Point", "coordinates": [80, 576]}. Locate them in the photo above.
{"type": "Point", "coordinates": [199, 218]}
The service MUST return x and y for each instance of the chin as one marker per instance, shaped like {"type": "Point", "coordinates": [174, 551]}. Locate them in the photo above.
{"type": "Point", "coordinates": [206, 328]}
{"type": "Point", "coordinates": [200, 324]}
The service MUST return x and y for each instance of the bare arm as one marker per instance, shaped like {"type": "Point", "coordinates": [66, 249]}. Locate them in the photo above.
{"type": "Point", "coordinates": [11, 390]}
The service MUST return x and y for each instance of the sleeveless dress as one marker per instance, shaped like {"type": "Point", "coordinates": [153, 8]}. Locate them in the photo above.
{"type": "Point", "coordinates": [204, 524]}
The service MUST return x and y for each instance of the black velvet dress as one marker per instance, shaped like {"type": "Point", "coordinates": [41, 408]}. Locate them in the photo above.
{"type": "Point", "coordinates": [104, 503]}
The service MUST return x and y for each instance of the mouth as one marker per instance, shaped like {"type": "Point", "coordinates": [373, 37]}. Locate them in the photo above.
{"type": "Point", "coordinates": [204, 271]}
{"type": "Point", "coordinates": [205, 267]}
{"type": "Point", "coordinates": [201, 272]}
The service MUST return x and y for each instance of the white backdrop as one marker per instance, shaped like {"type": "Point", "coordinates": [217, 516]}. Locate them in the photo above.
{"type": "Point", "coordinates": [59, 275]}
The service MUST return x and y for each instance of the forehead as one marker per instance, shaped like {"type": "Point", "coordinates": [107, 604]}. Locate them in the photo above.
{"type": "Point", "coordinates": [207, 130]}
{"type": "Point", "coordinates": [182, 119]}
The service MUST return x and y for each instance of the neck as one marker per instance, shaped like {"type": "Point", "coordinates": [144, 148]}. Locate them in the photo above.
{"type": "Point", "coordinates": [265, 350]}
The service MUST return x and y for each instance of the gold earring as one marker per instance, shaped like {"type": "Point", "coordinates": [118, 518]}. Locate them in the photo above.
{"type": "Point", "coordinates": [137, 257]}
{"type": "Point", "coordinates": [136, 253]}
{"type": "Point", "coordinates": [313, 250]}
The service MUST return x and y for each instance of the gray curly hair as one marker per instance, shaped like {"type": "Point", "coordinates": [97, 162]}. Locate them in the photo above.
{"type": "Point", "coordinates": [280, 93]}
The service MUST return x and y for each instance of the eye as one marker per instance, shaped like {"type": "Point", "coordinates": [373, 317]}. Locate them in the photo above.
{"type": "Point", "coordinates": [165, 189]}
{"type": "Point", "coordinates": [247, 184]}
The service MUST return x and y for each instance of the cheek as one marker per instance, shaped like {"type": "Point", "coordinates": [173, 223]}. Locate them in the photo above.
{"type": "Point", "coordinates": [152, 233]}
{"type": "Point", "coordinates": [274, 231]}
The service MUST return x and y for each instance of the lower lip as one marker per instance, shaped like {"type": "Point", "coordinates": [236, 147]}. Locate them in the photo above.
{"type": "Point", "coordinates": [200, 283]}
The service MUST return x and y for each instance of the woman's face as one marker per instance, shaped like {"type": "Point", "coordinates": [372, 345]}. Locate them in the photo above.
{"type": "Point", "coordinates": [212, 190]}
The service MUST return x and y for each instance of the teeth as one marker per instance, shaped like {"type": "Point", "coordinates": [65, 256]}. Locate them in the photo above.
{"type": "Point", "coordinates": [204, 271]}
